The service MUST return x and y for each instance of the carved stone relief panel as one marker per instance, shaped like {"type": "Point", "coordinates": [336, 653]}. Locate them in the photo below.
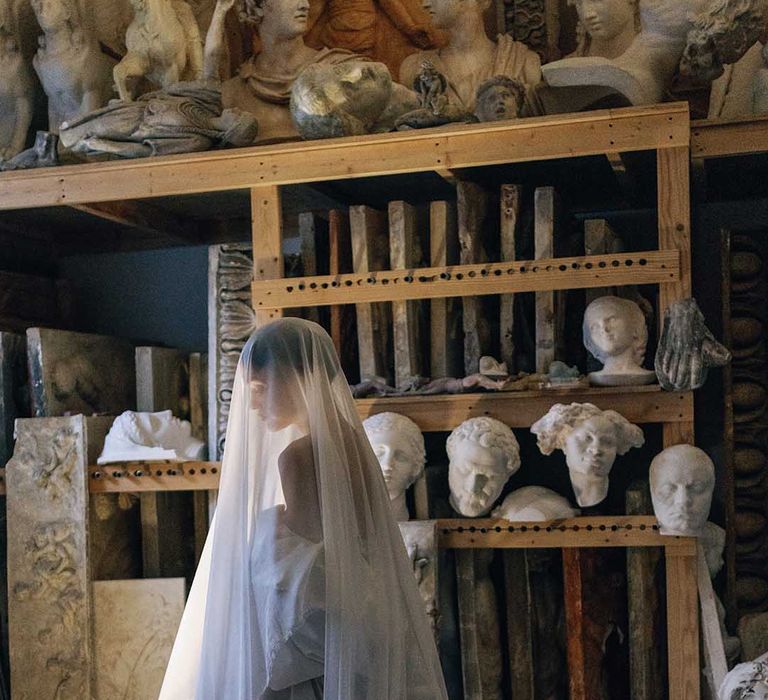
{"type": "Point", "coordinates": [135, 624]}
{"type": "Point", "coordinates": [48, 569]}
{"type": "Point", "coordinates": [749, 290]}
{"type": "Point", "coordinates": [231, 322]}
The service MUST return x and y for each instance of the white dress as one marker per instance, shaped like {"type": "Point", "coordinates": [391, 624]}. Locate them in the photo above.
{"type": "Point", "coordinates": [288, 586]}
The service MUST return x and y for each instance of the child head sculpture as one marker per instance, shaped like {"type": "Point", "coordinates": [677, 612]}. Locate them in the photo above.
{"type": "Point", "coordinates": [534, 504]}
{"type": "Point", "coordinates": [499, 98]}
{"type": "Point", "coordinates": [682, 481]}
{"type": "Point", "coordinates": [483, 453]}
{"type": "Point", "coordinates": [748, 681]}
{"type": "Point", "coordinates": [590, 439]}
{"type": "Point", "coordinates": [398, 444]}
{"type": "Point", "coordinates": [615, 332]}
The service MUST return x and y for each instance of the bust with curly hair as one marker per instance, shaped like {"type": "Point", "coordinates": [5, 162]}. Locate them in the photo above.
{"type": "Point", "coordinates": [591, 439]}
{"type": "Point", "coordinates": [500, 98]}
{"type": "Point", "coordinates": [616, 334]}
{"type": "Point", "coordinates": [398, 444]}
{"type": "Point", "coordinates": [483, 453]}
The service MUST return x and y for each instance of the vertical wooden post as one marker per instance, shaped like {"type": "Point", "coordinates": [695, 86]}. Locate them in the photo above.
{"type": "Point", "coordinates": [682, 622]}
{"type": "Point", "coordinates": [313, 236]}
{"type": "Point", "coordinates": [599, 239]}
{"type": "Point", "coordinates": [404, 253]}
{"type": "Point", "coordinates": [544, 247]}
{"type": "Point", "coordinates": [446, 357]}
{"type": "Point", "coordinates": [267, 236]}
{"type": "Point", "coordinates": [342, 324]}
{"type": "Point", "coordinates": [198, 417]}
{"type": "Point", "coordinates": [511, 196]}
{"type": "Point", "coordinates": [520, 634]}
{"type": "Point", "coordinates": [716, 665]}
{"type": "Point", "coordinates": [674, 210]}
{"type": "Point", "coordinates": [370, 252]}
{"type": "Point", "coordinates": [473, 204]}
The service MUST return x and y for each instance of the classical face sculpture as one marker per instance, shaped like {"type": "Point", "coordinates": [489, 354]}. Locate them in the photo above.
{"type": "Point", "coordinates": [483, 454]}
{"type": "Point", "coordinates": [281, 19]}
{"type": "Point", "coordinates": [445, 13]}
{"type": "Point", "coordinates": [590, 439]}
{"type": "Point", "coordinates": [682, 482]}
{"type": "Point", "coordinates": [499, 98]}
{"type": "Point", "coordinates": [605, 19]}
{"type": "Point", "coordinates": [615, 332]}
{"type": "Point", "coordinates": [534, 504]}
{"type": "Point", "coordinates": [398, 444]}
{"type": "Point", "coordinates": [135, 436]}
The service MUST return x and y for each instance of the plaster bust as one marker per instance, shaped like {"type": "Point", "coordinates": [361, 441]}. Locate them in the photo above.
{"type": "Point", "coordinates": [616, 334]}
{"type": "Point", "coordinates": [747, 681]}
{"type": "Point", "coordinates": [470, 56]}
{"type": "Point", "coordinates": [499, 98]}
{"type": "Point", "coordinates": [590, 439]}
{"type": "Point", "coordinates": [534, 504]}
{"type": "Point", "coordinates": [263, 84]}
{"type": "Point", "coordinates": [150, 436]}
{"type": "Point", "coordinates": [347, 99]}
{"type": "Point", "coordinates": [608, 26]}
{"type": "Point", "coordinates": [682, 481]}
{"type": "Point", "coordinates": [398, 444]}
{"type": "Point", "coordinates": [483, 453]}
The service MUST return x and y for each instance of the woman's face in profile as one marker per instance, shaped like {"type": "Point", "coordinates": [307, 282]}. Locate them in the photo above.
{"type": "Point", "coordinates": [276, 401]}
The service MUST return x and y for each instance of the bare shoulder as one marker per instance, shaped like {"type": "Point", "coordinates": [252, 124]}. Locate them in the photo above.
{"type": "Point", "coordinates": [298, 455]}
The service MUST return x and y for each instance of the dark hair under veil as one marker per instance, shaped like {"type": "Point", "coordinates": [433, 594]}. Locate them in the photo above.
{"type": "Point", "coordinates": [304, 589]}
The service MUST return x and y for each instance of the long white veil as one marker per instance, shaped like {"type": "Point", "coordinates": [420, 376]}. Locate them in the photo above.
{"type": "Point", "coordinates": [304, 589]}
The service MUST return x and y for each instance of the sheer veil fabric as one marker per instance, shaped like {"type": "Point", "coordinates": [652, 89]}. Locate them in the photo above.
{"type": "Point", "coordinates": [304, 589]}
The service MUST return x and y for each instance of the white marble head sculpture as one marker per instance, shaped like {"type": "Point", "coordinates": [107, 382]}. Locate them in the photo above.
{"type": "Point", "coordinates": [615, 332]}
{"type": "Point", "coordinates": [483, 453]}
{"type": "Point", "coordinates": [399, 446]}
{"type": "Point", "coordinates": [682, 481]}
{"type": "Point", "coordinates": [590, 439]}
{"type": "Point", "coordinates": [608, 26]}
{"type": "Point", "coordinates": [534, 504]}
{"type": "Point", "coordinates": [747, 681]}
{"type": "Point", "coordinates": [499, 98]}
{"type": "Point", "coordinates": [150, 436]}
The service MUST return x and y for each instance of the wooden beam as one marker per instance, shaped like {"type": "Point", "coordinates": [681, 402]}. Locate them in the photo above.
{"type": "Point", "coordinates": [452, 147]}
{"type": "Point", "coordinates": [547, 339]}
{"type": "Point", "coordinates": [521, 409]}
{"type": "Point", "coordinates": [144, 477]}
{"type": "Point", "coordinates": [649, 267]}
{"type": "Point", "coordinates": [147, 217]}
{"type": "Point", "coordinates": [720, 138]}
{"type": "Point", "coordinates": [267, 238]}
{"type": "Point", "coordinates": [511, 201]}
{"type": "Point", "coordinates": [682, 624]}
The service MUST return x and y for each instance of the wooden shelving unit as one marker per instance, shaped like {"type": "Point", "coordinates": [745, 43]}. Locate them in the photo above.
{"type": "Point", "coordinates": [264, 171]}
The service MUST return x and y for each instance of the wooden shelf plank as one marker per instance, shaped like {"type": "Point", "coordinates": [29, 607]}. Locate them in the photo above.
{"type": "Point", "coordinates": [138, 477]}
{"type": "Point", "coordinates": [616, 531]}
{"type": "Point", "coordinates": [719, 139]}
{"type": "Point", "coordinates": [452, 147]}
{"type": "Point", "coordinates": [649, 267]}
{"type": "Point", "coordinates": [522, 409]}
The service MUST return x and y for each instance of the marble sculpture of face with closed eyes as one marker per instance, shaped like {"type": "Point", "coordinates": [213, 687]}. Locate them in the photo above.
{"type": "Point", "coordinates": [483, 454]}
{"type": "Point", "coordinates": [682, 482]}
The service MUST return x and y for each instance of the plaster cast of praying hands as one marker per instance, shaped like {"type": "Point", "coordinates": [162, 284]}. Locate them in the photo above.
{"type": "Point", "coordinates": [748, 681]}
{"type": "Point", "coordinates": [607, 27]}
{"type": "Point", "coordinates": [150, 436]}
{"type": "Point", "coordinates": [164, 46]}
{"type": "Point", "coordinates": [671, 31]}
{"type": "Point", "coordinates": [471, 57]}
{"type": "Point", "coordinates": [17, 87]}
{"type": "Point", "coordinates": [75, 74]}
{"type": "Point", "coordinates": [532, 504]}
{"type": "Point", "coordinates": [263, 84]}
{"type": "Point", "coordinates": [616, 334]}
{"type": "Point", "coordinates": [181, 118]}
{"type": "Point", "coordinates": [347, 99]}
{"type": "Point", "coordinates": [483, 453]}
{"type": "Point", "coordinates": [398, 444]}
{"type": "Point", "coordinates": [687, 348]}
{"type": "Point", "coordinates": [590, 439]}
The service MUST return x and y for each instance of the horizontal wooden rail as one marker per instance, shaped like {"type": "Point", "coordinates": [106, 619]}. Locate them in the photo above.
{"type": "Point", "coordinates": [720, 138]}
{"type": "Point", "coordinates": [521, 409]}
{"type": "Point", "coordinates": [137, 477]}
{"type": "Point", "coordinates": [616, 531]}
{"type": "Point", "coordinates": [452, 147]}
{"type": "Point", "coordinates": [648, 267]}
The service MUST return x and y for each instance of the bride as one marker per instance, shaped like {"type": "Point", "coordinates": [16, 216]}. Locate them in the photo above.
{"type": "Point", "coordinates": [304, 590]}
